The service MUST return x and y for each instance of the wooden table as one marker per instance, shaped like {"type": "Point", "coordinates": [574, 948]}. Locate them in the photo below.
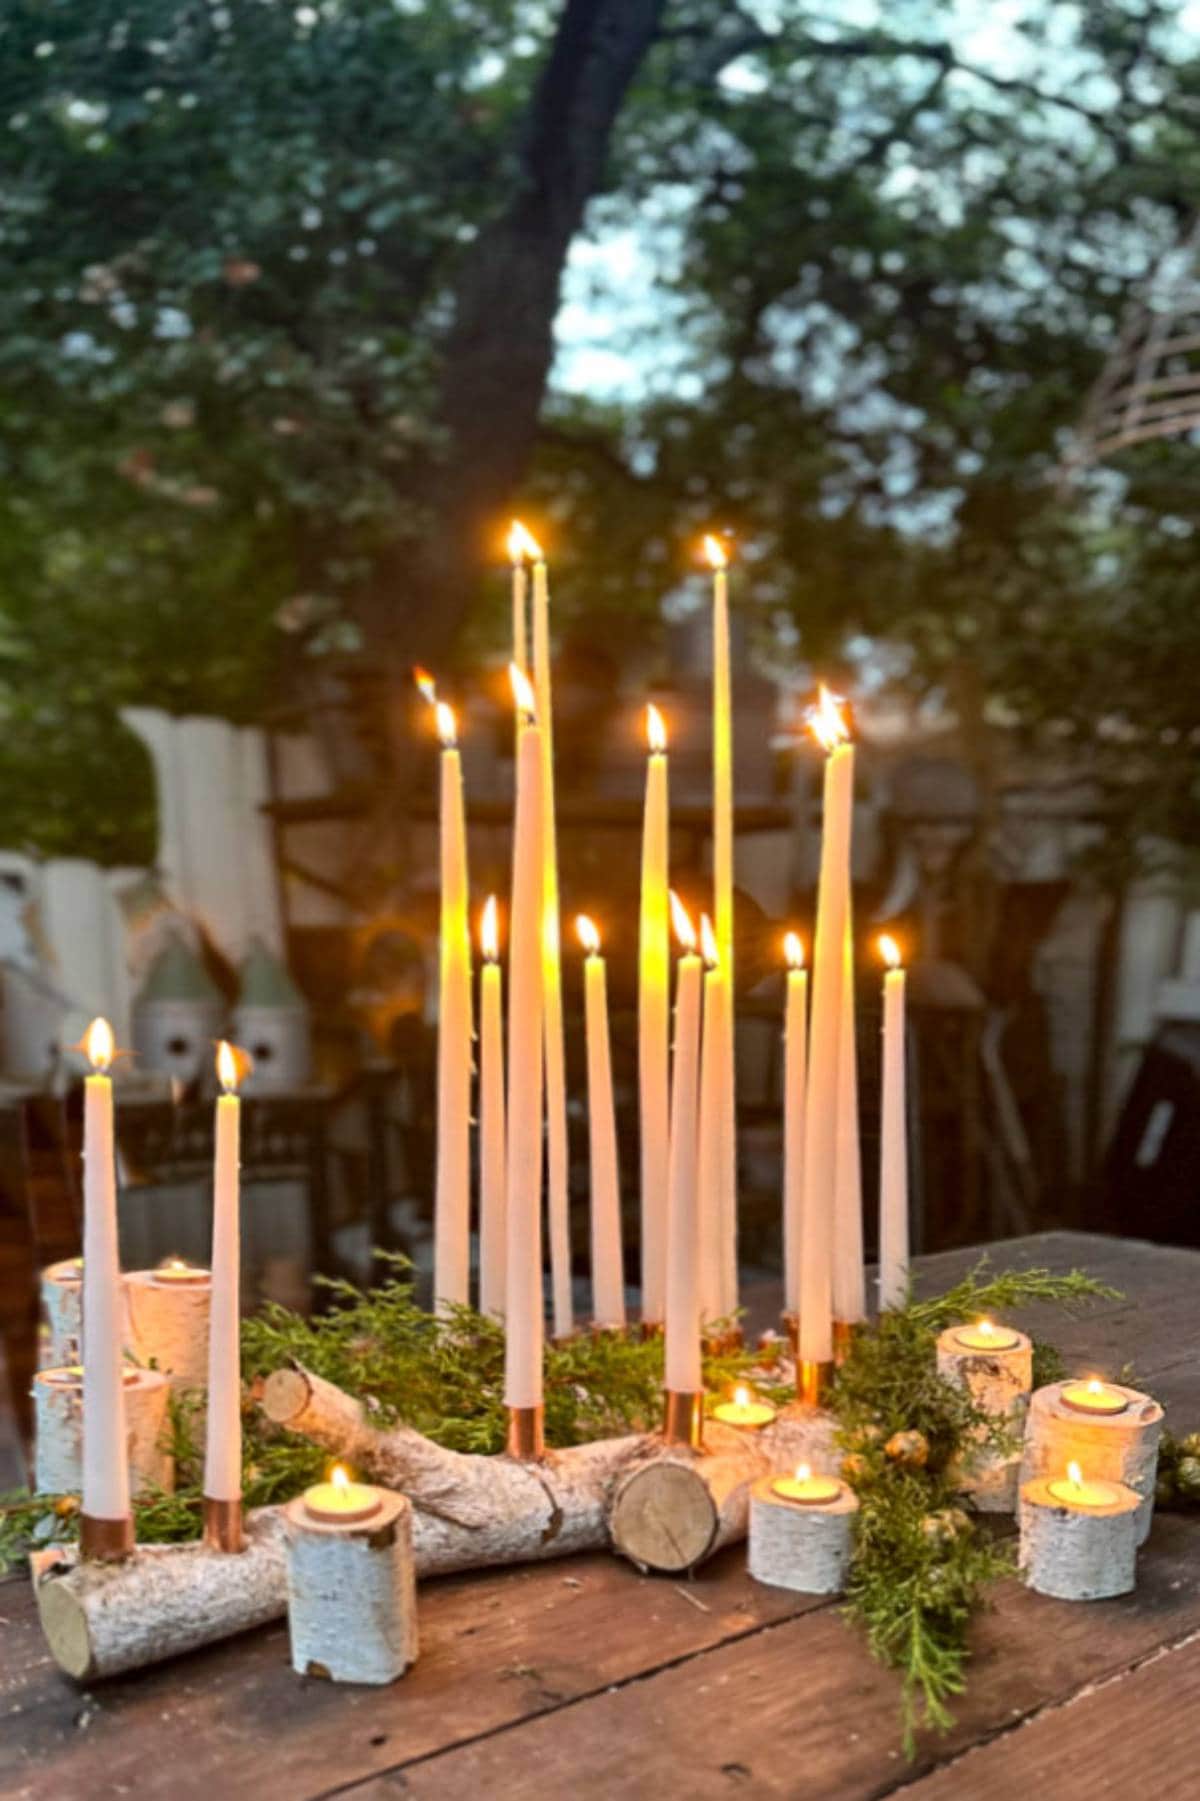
{"type": "Point", "coordinates": [583, 1679]}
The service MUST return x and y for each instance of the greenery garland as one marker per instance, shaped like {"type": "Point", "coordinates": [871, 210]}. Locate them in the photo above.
{"type": "Point", "coordinates": [921, 1564]}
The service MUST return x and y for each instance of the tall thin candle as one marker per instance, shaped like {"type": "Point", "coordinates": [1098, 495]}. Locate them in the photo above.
{"type": "Point", "coordinates": [608, 1278]}
{"type": "Point", "coordinates": [820, 1149]}
{"type": "Point", "coordinates": [709, 1220]}
{"type": "Point", "coordinates": [726, 1144]}
{"type": "Point", "coordinates": [106, 1524]}
{"type": "Point", "coordinates": [849, 1280]}
{"type": "Point", "coordinates": [893, 1167]}
{"type": "Point", "coordinates": [523, 547]}
{"type": "Point", "coordinates": [682, 1331]}
{"type": "Point", "coordinates": [452, 1182]}
{"type": "Point", "coordinates": [223, 1424]}
{"type": "Point", "coordinates": [491, 1119]}
{"type": "Point", "coordinates": [557, 1160]}
{"type": "Point", "coordinates": [523, 1225]}
{"type": "Point", "coordinates": [654, 1019]}
{"type": "Point", "coordinates": [795, 1063]}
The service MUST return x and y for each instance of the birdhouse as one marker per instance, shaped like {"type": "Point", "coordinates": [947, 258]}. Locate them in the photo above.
{"type": "Point", "coordinates": [177, 1015]}
{"type": "Point", "coordinates": [271, 1021]}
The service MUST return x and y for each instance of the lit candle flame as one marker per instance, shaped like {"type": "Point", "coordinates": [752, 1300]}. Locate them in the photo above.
{"type": "Point", "coordinates": [233, 1065]}
{"type": "Point", "coordinates": [826, 721]}
{"type": "Point", "coordinates": [685, 931]}
{"type": "Point", "coordinates": [708, 942]}
{"type": "Point", "coordinates": [522, 544]}
{"type": "Point", "coordinates": [1075, 1475]}
{"type": "Point", "coordinates": [889, 950]}
{"type": "Point", "coordinates": [426, 684]}
{"type": "Point", "coordinates": [1095, 1387]}
{"type": "Point", "coordinates": [489, 929]}
{"type": "Point", "coordinates": [100, 1047]}
{"type": "Point", "coordinates": [339, 1475]}
{"type": "Point", "coordinates": [793, 950]}
{"type": "Point", "coordinates": [656, 729]}
{"type": "Point", "coordinates": [522, 691]}
{"type": "Point", "coordinates": [741, 1396]}
{"type": "Point", "coordinates": [715, 551]}
{"type": "Point", "coordinates": [447, 728]}
{"type": "Point", "coordinates": [589, 937]}
{"type": "Point", "coordinates": [803, 1472]}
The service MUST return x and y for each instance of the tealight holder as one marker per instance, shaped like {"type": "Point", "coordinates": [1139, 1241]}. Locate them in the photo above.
{"type": "Point", "coordinates": [994, 1363]}
{"type": "Point", "coordinates": [1111, 1431]}
{"type": "Point", "coordinates": [802, 1531]}
{"type": "Point", "coordinates": [62, 1306]}
{"type": "Point", "coordinates": [351, 1582]}
{"type": "Point", "coordinates": [58, 1420]}
{"type": "Point", "coordinates": [1078, 1536]}
{"type": "Point", "coordinates": [168, 1312]}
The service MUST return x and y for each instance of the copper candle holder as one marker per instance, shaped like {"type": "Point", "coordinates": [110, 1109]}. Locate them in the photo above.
{"type": "Point", "coordinates": [223, 1525]}
{"type": "Point", "coordinates": [105, 1541]}
{"type": "Point", "coordinates": [845, 1332]}
{"type": "Point", "coordinates": [526, 1438]}
{"type": "Point", "coordinates": [683, 1417]}
{"type": "Point", "coordinates": [813, 1381]}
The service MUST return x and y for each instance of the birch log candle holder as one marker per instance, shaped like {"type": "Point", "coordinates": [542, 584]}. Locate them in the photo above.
{"type": "Point", "coordinates": [1110, 1431]}
{"type": "Point", "coordinates": [995, 1365]}
{"type": "Point", "coordinates": [802, 1532]}
{"type": "Point", "coordinates": [1078, 1537]}
{"type": "Point", "coordinates": [62, 1306]}
{"type": "Point", "coordinates": [58, 1413]}
{"type": "Point", "coordinates": [167, 1310]}
{"type": "Point", "coordinates": [352, 1595]}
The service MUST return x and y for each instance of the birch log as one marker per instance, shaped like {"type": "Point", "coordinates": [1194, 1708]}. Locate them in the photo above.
{"type": "Point", "coordinates": [1118, 1447]}
{"type": "Point", "coordinates": [62, 1305]}
{"type": "Point", "coordinates": [352, 1595]}
{"type": "Point", "coordinates": [1074, 1553]}
{"type": "Point", "coordinates": [58, 1412]}
{"type": "Point", "coordinates": [801, 1547]}
{"type": "Point", "coordinates": [168, 1326]}
{"type": "Point", "coordinates": [677, 1507]}
{"type": "Point", "coordinates": [999, 1382]}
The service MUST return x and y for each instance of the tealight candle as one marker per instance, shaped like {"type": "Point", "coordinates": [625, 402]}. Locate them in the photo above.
{"type": "Point", "coordinates": [70, 1271]}
{"type": "Point", "coordinates": [1073, 1491]}
{"type": "Point", "coordinates": [175, 1271]}
{"type": "Point", "coordinates": [805, 1488]}
{"type": "Point", "coordinates": [985, 1336]}
{"type": "Point", "coordinates": [744, 1411]}
{"type": "Point", "coordinates": [341, 1502]}
{"type": "Point", "coordinates": [1094, 1396]}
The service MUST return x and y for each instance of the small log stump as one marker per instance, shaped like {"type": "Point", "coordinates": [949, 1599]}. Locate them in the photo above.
{"type": "Point", "coordinates": [352, 1594]}
{"type": "Point", "coordinates": [797, 1546]}
{"type": "Point", "coordinates": [168, 1326]}
{"type": "Point", "coordinates": [58, 1411]}
{"type": "Point", "coordinates": [999, 1381]}
{"type": "Point", "coordinates": [62, 1306]}
{"type": "Point", "coordinates": [1117, 1447]}
{"type": "Point", "coordinates": [1074, 1553]}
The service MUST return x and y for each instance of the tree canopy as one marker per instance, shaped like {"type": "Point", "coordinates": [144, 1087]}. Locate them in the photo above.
{"type": "Point", "coordinates": [263, 264]}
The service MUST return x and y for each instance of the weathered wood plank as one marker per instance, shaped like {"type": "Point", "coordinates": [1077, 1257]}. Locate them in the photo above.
{"type": "Point", "coordinates": [1139, 1731]}
{"type": "Point", "coordinates": [801, 1708]}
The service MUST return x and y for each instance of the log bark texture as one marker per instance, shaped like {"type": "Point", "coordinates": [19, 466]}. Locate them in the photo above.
{"type": "Point", "coordinates": [999, 1382]}
{"type": "Point", "coordinates": [1119, 1447]}
{"type": "Point", "coordinates": [352, 1595]}
{"type": "Point", "coordinates": [62, 1305]}
{"type": "Point", "coordinates": [168, 1326]}
{"type": "Point", "coordinates": [800, 1547]}
{"type": "Point", "coordinates": [58, 1466]}
{"type": "Point", "coordinates": [1078, 1554]}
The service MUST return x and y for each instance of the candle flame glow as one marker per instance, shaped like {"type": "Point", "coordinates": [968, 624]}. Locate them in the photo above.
{"type": "Point", "coordinates": [1095, 1386]}
{"type": "Point", "coordinates": [522, 544]}
{"type": "Point", "coordinates": [489, 929]}
{"type": "Point", "coordinates": [522, 689]}
{"type": "Point", "coordinates": [426, 684]}
{"type": "Point", "coordinates": [656, 729]}
{"type": "Point", "coordinates": [889, 950]}
{"type": "Point", "coordinates": [100, 1047]}
{"type": "Point", "coordinates": [793, 950]}
{"type": "Point", "coordinates": [803, 1472]}
{"type": "Point", "coordinates": [1075, 1475]}
{"type": "Point", "coordinates": [447, 728]}
{"type": "Point", "coordinates": [589, 937]}
{"type": "Point", "coordinates": [685, 931]}
{"type": "Point", "coordinates": [715, 551]}
{"type": "Point", "coordinates": [339, 1475]}
{"type": "Point", "coordinates": [741, 1396]}
{"type": "Point", "coordinates": [233, 1066]}
{"type": "Point", "coordinates": [708, 942]}
{"type": "Point", "coordinates": [985, 1326]}
{"type": "Point", "coordinates": [826, 721]}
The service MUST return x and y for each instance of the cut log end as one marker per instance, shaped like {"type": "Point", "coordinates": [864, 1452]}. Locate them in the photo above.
{"type": "Point", "coordinates": [285, 1396]}
{"type": "Point", "coordinates": [664, 1517]}
{"type": "Point", "coordinates": [65, 1624]}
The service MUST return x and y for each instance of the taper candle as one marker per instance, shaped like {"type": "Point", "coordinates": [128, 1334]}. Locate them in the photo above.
{"type": "Point", "coordinates": [893, 1138]}
{"type": "Point", "coordinates": [710, 1125]}
{"type": "Point", "coordinates": [682, 1329]}
{"type": "Point", "coordinates": [795, 1064]}
{"type": "Point", "coordinates": [223, 1425]}
{"type": "Point", "coordinates": [523, 548]}
{"type": "Point", "coordinates": [491, 1118]}
{"type": "Point", "coordinates": [608, 1274]}
{"type": "Point", "coordinates": [820, 1149]}
{"type": "Point", "coordinates": [726, 1146]}
{"type": "Point", "coordinates": [654, 1019]}
{"type": "Point", "coordinates": [558, 1211]}
{"type": "Point", "coordinates": [106, 1524]}
{"type": "Point", "coordinates": [849, 1277]}
{"type": "Point", "coordinates": [523, 1302]}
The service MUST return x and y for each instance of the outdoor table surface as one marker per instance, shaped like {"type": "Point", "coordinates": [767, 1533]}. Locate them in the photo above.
{"type": "Point", "coordinates": [581, 1678]}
